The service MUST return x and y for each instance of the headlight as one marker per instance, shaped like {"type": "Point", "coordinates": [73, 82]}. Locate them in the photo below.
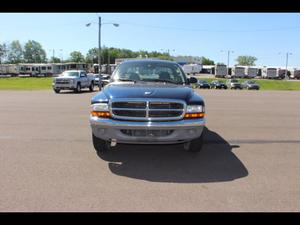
{"type": "Point", "coordinates": [100, 107]}
{"type": "Point", "coordinates": [194, 112]}
{"type": "Point", "coordinates": [100, 110]}
{"type": "Point", "coordinates": [194, 108]}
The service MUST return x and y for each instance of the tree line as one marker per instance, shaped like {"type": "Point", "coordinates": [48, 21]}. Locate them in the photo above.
{"type": "Point", "coordinates": [33, 52]}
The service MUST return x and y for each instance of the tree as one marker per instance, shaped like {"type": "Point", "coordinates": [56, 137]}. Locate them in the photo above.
{"type": "Point", "coordinates": [246, 60]}
{"type": "Point", "coordinates": [207, 61]}
{"type": "Point", "coordinates": [15, 52]}
{"type": "Point", "coordinates": [92, 55]}
{"type": "Point", "coordinates": [34, 53]}
{"type": "Point", "coordinates": [3, 52]}
{"type": "Point", "coordinates": [221, 64]}
{"type": "Point", "coordinates": [76, 56]}
{"type": "Point", "coordinates": [55, 60]}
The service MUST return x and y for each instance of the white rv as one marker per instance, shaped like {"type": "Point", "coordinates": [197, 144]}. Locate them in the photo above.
{"type": "Point", "coordinates": [295, 73]}
{"type": "Point", "coordinates": [251, 72]}
{"type": "Point", "coordinates": [269, 72]}
{"type": "Point", "coordinates": [220, 70]}
{"type": "Point", "coordinates": [238, 71]}
{"type": "Point", "coordinates": [192, 68]}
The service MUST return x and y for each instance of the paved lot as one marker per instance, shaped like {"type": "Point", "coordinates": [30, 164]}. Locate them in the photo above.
{"type": "Point", "coordinates": [250, 161]}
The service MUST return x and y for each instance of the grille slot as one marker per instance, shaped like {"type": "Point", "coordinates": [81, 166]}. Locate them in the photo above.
{"type": "Point", "coordinates": [146, 133]}
{"type": "Point", "coordinates": [147, 110]}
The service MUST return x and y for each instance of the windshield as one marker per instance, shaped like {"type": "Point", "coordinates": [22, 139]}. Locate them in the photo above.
{"type": "Point", "coordinates": [149, 71]}
{"type": "Point", "coordinates": [70, 74]}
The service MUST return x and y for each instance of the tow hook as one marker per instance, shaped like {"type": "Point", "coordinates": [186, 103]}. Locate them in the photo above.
{"type": "Point", "coordinates": [113, 142]}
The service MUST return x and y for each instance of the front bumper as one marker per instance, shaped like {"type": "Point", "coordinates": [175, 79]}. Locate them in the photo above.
{"type": "Point", "coordinates": [183, 130]}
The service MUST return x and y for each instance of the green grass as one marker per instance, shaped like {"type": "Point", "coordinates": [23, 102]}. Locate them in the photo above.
{"type": "Point", "coordinates": [281, 85]}
{"type": "Point", "coordinates": [44, 83]}
{"type": "Point", "coordinates": [26, 83]}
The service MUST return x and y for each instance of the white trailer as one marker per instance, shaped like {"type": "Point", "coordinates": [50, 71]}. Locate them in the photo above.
{"type": "Point", "coordinates": [295, 73]}
{"type": "Point", "coordinates": [192, 68]}
{"type": "Point", "coordinates": [251, 72]}
{"type": "Point", "coordinates": [221, 70]}
{"type": "Point", "coordinates": [238, 71]}
{"type": "Point", "coordinates": [269, 72]}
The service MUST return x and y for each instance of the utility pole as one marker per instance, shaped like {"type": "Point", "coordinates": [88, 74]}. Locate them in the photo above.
{"type": "Point", "coordinates": [99, 48]}
{"type": "Point", "coordinates": [228, 58]}
{"type": "Point", "coordinates": [286, 64]}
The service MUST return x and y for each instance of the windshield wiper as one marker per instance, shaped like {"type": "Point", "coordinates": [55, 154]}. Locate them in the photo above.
{"type": "Point", "coordinates": [161, 80]}
{"type": "Point", "coordinates": [127, 80]}
{"type": "Point", "coordinates": [167, 81]}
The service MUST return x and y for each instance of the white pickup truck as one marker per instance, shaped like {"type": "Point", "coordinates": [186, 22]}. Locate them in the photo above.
{"type": "Point", "coordinates": [73, 80]}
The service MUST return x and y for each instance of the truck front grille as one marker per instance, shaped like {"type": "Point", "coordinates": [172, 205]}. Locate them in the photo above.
{"type": "Point", "coordinates": [146, 133]}
{"type": "Point", "coordinates": [150, 110]}
{"type": "Point", "coordinates": [61, 81]}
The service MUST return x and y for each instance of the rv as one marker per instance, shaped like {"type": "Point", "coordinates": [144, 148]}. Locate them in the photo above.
{"type": "Point", "coordinates": [238, 71]}
{"type": "Point", "coordinates": [221, 70]}
{"type": "Point", "coordinates": [269, 72]}
{"type": "Point", "coordinates": [295, 73]}
{"type": "Point", "coordinates": [251, 72]}
{"type": "Point", "coordinates": [192, 68]}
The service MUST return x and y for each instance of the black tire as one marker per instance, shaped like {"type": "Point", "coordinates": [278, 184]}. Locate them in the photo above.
{"type": "Point", "coordinates": [91, 87]}
{"type": "Point", "coordinates": [194, 145]}
{"type": "Point", "coordinates": [78, 88]}
{"type": "Point", "coordinates": [56, 91]}
{"type": "Point", "coordinates": [100, 145]}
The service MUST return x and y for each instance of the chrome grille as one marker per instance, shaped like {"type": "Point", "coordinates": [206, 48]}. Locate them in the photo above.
{"type": "Point", "coordinates": [62, 81]}
{"type": "Point", "coordinates": [147, 110]}
{"type": "Point", "coordinates": [147, 133]}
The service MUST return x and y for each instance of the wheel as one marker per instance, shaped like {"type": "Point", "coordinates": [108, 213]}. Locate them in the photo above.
{"type": "Point", "coordinates": [78, 88]}
{"type": "Point", "coordinates": [100, 145]}
{"type": "Point", "coordinates": [91, 87]}
{"type": "Point", "coordinates": [194, 145]}
{"type": "Point", "coordinates": [56, 91]}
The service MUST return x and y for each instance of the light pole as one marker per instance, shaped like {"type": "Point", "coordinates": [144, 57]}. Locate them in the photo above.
{"type": "Point", "coordinates": [61, 56]}
{"type": "Point", "coordinates": [99, 43]}
{"type": "Point", "coordinates": [228, 57]}
{"type": "Point", "coordinates": [286, 63]}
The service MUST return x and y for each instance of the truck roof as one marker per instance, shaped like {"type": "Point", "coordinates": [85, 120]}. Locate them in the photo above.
{"type": "Point", "coordinates": [149, 60]}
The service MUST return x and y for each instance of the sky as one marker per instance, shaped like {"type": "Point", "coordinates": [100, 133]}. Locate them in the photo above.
{"type": "Point", "coordinates": [267, 36]}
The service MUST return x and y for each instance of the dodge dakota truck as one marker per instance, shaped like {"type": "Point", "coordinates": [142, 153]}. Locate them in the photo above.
{"type": "Point", "coordinates": [73, 80]}
{"type": "Point", "coordinates": [148, 102]}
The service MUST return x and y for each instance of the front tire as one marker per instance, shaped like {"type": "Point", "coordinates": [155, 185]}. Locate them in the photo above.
{"type": "Point", "coordinates": [91, 87]}
{"type": "Point", "coordinates": [78, 88]}
{"type": "Point", "coordinates": [194, 145]}
{"type": "Point", "coordinates": [56, 91]}
{"type": "Point", "coordinates": [100, 145]}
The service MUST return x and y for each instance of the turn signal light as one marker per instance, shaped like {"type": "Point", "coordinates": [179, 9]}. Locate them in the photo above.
{"type": "Point", "coordinates": [194, 115]}
{"type": "Point", "coordinates": [100, 114]}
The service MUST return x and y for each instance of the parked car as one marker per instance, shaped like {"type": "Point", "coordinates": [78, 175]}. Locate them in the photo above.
{"type": "Point", "coordinates": [148, 102]}
{"type": "Point", "coordinates": [250, 84]}
{"type": "Point", "coordinates": [234, 84]}
{"type": "Point", "coordinates": [73, 80]}
{"type": "Point", "coordinates": [203, 84]}
{"type": "Point", "coordinates": [217, 84]}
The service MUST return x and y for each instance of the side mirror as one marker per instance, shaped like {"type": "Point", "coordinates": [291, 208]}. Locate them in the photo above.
{"type": "Point", "coordinates": [192, 80]}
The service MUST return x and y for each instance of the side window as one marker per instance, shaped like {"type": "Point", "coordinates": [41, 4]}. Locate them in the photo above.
{"type": "Point", "coordinates": [83, 74]}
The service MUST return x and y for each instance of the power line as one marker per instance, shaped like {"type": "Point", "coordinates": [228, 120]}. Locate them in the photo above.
{"type": "Point", "coordinates": [210, 30]}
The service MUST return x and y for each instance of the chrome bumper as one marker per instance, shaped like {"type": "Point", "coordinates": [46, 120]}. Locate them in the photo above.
{"type": "Point", "coordinates": [183, 130]}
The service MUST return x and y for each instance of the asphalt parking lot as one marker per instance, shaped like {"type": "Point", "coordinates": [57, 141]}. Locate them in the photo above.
{"type": "Point", "coordinates": [250, 160]}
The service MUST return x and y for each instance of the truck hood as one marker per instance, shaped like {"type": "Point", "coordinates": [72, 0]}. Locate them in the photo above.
{"type": "Point", "coordinates": [148, 90]}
